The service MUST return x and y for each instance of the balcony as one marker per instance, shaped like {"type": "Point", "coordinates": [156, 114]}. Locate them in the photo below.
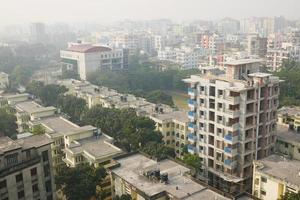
{"type": "Point", "coordinates": [192, 115]}
{"type": "Point", "coordinates": [230, 163]}
{"type": "Point", "coordinates": [233, 113]}
{"type": "Point", "coordinates": [191, 92]}
{"type": "Point", "coordinates": [192, 127]}
{"type": "Point", "coordinates": [192, 104]}
{"type": "Point", "coordinates": [191, 149]}
{"type": "Point", "coordinates": [233, 99]}
{"type": "Point", "coordinates": [230, 139]}
{"type": "Point", "coordinates": [192, 138]}
{"type": "Point", "coordinates": [230, 151]}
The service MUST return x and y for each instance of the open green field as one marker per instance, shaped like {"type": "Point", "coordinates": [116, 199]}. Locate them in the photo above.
{"type": "Point", "coordinates": [180, 99]}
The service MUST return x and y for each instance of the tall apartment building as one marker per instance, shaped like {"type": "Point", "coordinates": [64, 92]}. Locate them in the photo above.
{"type": "Point", "coordinates": [87, 58]}
{"type": "Point", "coordinates": [257, 45]}
{"type": "Point", "coordinates": [234, 121]}
{"type": "Point", "coordinates": [26, 168]}
{"type": "Point", "coordinates": [276, 57]}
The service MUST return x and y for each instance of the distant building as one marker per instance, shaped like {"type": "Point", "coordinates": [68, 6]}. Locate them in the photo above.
{"type": "Point", "coordinates": [289, 117]}
{"type": "Point", "coordinates": [26, 170]}
{"type": "Point", "coordinates": [4, 81]}
{"type": "Point", "coordinates": [257, 45]}
{"type": "Point", "coordinates": [87, 58]}
{"type": "Point", "coordinates": [274, 176]}
{"type": "Point", "coordinates": [234, 121]}
{"type": "Point", "coordinates": [38, 33]}
{"type": "Point", "coordinates": [143, 178]}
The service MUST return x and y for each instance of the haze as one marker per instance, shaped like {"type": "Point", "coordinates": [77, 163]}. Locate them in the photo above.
{"type": "Point", "coordinates": [17, 12]}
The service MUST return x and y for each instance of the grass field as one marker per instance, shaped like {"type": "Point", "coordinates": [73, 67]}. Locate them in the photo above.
{"type": "Point", "coordinates": [180, 99]}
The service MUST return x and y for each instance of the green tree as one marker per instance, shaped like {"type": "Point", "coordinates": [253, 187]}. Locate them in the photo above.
{"type": "Point", "coordinates": [158, 150]}
{"type": "Point", "coordinates": [158, 96]}
{"type": "Point", "coordinates": [72, 106]}
{"type": "Point", "coordinates": [8, 126]}
{"type": "Point", "coordinates": [80, 182]}
{"type": "Point", "coordinates": [193, 161]}
{"type": "Point", "coordinates": [291, 196]}
{"type": "Point", "coordinates": [20, 76]}
{"type": "Point", "coordinates": [38, 130]}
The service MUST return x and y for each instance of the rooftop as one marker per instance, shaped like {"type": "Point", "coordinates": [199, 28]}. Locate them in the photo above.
{"type": "Point", "coordinates": [292, 111]}
{"type": "Point", "coordinates": [58, 124]}
{"type": "Point", "coordinates": [87, 48]}
{"type": "Point", "coordinates": [284, 133]}
{"type": "Point", "coordinates": [96, 147]}
{"type": "Point", "coordinates": [32, 107]}
{"type": "Point", "coordinates": [281, 168]}
{"type": "Point", "coordinates": [7, 144]}
{"type": "Point", "coordinates": [180, 186]}
{"type": "Point", "coordinates": [180, 116]}
{"type": "Point", "coordinates": [243, 61]}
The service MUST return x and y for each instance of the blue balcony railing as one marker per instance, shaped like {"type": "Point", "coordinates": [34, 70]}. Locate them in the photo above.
{"type": "Point", "coordinates": [191, 113]}
{"type": "Point", "coordinates": [191, 102]}
{"type": "Point", "coordinates": [191, 148]}
{"type": "Point", "coordinates": [192, 126]}
{"type": "Point", "coordinates": [228, 149]}
{"type": "Point", "coordinates": [228, 137]}
{"type": "Point", "coordinates": [191, 136]}
{"type": "Point", "coordinates": [191, 90]}
{"type": "Point", "coordinates": [228, 162]}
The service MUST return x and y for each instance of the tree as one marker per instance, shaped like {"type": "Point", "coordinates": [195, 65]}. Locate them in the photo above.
{"type": "Point", "coordinates": [158, 96]}
{"type": "Point", "coordinates": [20, 76]}
{"type": "Point", "coordinates": [80, 182]}
{"type": "Point", "coordinates": [158, 150]}
{"type": "Point", "coordinates": [72, 106]}
{"type": "Point", "coordinates": [8, 126]}
{"type": "Point", "coordinates": [193, 161]}
{"type": "Point", "coordinates": [291, 196]}
{"type": "Point", "coordinates": [38, 130]}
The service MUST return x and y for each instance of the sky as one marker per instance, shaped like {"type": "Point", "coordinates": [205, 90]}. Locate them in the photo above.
{"type": "Point", "coordinates": [93, 11]}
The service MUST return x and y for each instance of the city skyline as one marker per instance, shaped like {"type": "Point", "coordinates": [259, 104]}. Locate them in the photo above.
{"type": "Point", "coordinates": [100, 11]}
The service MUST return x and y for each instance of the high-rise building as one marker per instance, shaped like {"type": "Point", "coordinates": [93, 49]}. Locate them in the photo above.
{"type": "Point", "coordinates": [234, 121]}
{"type": "Point", "coordinates": [26, 170]}
{"type": "Point", "coordinates": [257, 45]}
{"type": "Point", "coordinates": [37, 32]}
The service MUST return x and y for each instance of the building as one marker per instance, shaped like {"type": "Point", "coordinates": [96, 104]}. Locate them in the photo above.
{"type": "Point", "coordinates": [234, 121]}
{"type": "Point", "coordinates": [38, 33]}
{"type": "Point", "coordinates": [87, 58]}
{"type": "Point", "coordinates": [174, 129]}
{"type": "Point", "coordinates": [289, 117]}
{"type": "Point", "coordinates": [228, 26]}
{"type": "Point", "coordinates": [143, 178]}
{"type": "Point", "coordinates": [257, 45]}
{"type": "Point", "coordinates": [275, 175]}
{"type": "Point", "coordinates": [4, 82]}
{"type": "Point", "coordinates": [288, 142]}
{"type": "Point", "coordinates": [276, 57]}
{"type": "Point", "coordinates": [26, 170]}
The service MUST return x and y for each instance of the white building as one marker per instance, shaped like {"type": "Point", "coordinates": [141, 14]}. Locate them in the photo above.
{"type": "Point", "coordinates": [232, 121]}
{"type": "Point", "coordinates": [87, 58]}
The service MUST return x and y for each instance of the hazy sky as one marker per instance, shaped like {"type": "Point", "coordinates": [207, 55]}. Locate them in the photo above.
{"type": "Point", "coordinates": [25, 11]}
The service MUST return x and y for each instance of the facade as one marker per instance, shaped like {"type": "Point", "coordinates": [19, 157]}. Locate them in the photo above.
{"type": "Point", "coordinates": [275, 175]}
{"type": "Point", "coordinates": [257, 45]}
{"type": "Point", "coordinates": [276, 57]}
{"type": "Point", "coordinates": [288, 142]}
{"type": "Point", "coordinates": [26, 170]}
{"type": "Point", "coordinates": [174, 129]}
{"type": "Point", "coordinates": [234, 121]}
{"type": "Point", "coordinates": [37, 32]}
{"type": "Point", "coordinates": [143, 178]}
{"type": "Point", "coordinates": [289, 117]}
{"type": "Point", "coordinates": [4, 82]}
{"type": "Point", "coordinates": [87, 58]}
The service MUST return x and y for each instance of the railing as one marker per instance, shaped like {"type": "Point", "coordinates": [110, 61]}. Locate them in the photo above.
{"type": "Point", "coordinates": [191, 114]}
{"type": "Point", "coordinates": [192, 126]}
{"type": "Point", "coordinates": [191, 137]}
{"type": "Point", "coordinates": [191, 148]}
{"type": "Point", "coordinates": [24, 164]}
{"type": "Point", "coordinates": [230, 138]}
{"type": "Point", "coordinates": [228, 150]}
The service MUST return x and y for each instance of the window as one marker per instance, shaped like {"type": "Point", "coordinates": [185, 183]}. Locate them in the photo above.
{"type": "Point", "coordinates": [47, 170]}
{"type": "Point", "coordinates": [19, 178]}
{"type": "Point", "coordinates": [21, 194]}
{"type": "Point", "coordinates": [45, 156]}
{"type": "Point", "coordinates": [48, 186]}
{"type": "Point", "coordinates": [33, 172]}
{"type": "Point", "coordinates": [12, 159]}
{"type": "Point", "coordinates": [263, 179]}
{"type": "Point", "coordinates": [3, 184]}
{"type": "Point", "coordinates": [286, 145]}
{"type": "Point", "coordinates": [168, 133]}
{"type": "Point", "coordinates": [263, 192]}
{"type": "Point", "coordinates": [298, 150]}
{"type": "Point", "coordinates": [35, 188]}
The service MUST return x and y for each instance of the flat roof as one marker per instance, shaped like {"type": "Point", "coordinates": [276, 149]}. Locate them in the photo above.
{"type": "Point", "coordinates": [180, 116]}
{"type": "Point", "coordinates": [32, 107]}
{"type": "Point", "coordinates": [180, 186]}
{"type": "Point", "coordinates": [291, 110]}
{"type": "Point", "coordinates": [98, 147]}
{"type": "Point", "coordinates": [243, 61]}
{"type": "Point", "coordinates": [58, 124]}
{"type": "Point", "coordinates": [281, 168]}
{"type": "Point", "coordinates": [87, 48]}
{"type": "Point", "coordinates": [7, 144]}
{"type": "Point", "coordinates": [260, 74]}
{"type": "Point", "coordinates": [284, 133]}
